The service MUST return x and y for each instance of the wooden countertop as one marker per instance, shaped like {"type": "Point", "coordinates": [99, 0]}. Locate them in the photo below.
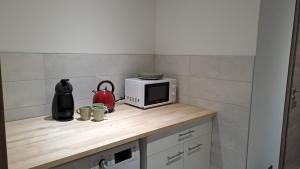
{"type": "Point", "coordinates": [43, 143]}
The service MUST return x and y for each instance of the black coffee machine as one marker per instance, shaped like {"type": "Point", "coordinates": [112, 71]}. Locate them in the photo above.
{"type": "Point", "coordinates": [63, 102]}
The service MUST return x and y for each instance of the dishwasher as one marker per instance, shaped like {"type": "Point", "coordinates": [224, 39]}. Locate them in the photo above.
{"type": "Point", "coordinates": [126, 156]}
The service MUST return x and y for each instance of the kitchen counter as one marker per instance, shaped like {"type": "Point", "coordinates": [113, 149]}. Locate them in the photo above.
{"type": "Point", "coordinates": [44, 143]}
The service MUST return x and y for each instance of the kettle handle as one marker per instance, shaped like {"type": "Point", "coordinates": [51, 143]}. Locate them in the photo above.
{"type": "Point", "coordinates": [109, 82]}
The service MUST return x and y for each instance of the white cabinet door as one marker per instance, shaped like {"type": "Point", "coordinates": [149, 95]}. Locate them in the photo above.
{"type": "Point", "coordinates": [159, 142]}
{"type": "Point", "coordinates": [171, 158]}
{"type": "Point", "coordinates": [197, 153]}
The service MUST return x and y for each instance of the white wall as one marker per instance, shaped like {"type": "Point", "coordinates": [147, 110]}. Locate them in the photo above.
{"type": "Point", "coordinates": [269, 86]}
{"type": "Point", "coordinates": [127, 26]}
{"type": "Point", "coordinates": [206, 27]}
{"type": "Point", "coordinates": [77, 26]}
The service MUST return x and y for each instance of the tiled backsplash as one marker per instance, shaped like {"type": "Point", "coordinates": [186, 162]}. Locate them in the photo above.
{"type": "Point", "coordinates": [223, 84]}
{"type": "Point", "coordinates": [29, 79]}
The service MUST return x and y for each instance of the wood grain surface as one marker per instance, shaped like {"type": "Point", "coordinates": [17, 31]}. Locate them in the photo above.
{"type": "Point", "coordinates": [44, 143]}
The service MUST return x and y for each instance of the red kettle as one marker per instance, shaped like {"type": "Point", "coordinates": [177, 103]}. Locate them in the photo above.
{"type": "Point", "coordinates": [105, 96]}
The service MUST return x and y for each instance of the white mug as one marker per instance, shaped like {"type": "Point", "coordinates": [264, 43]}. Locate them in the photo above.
{"type": "Point", "coordinates": [99, 112]}
{"type": "Point", "coordinates": [85, 112]}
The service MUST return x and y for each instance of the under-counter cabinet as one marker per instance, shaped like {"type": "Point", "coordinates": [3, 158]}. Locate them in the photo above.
{"type": "Point", "coordinates": [187, 147]}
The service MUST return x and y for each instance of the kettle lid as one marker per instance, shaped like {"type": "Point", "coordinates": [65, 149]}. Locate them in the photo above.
{"type": "Point", "coordinates": [63, 86]}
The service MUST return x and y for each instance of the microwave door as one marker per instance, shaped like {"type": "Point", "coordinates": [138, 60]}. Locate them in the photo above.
{"type": "Point", "coordinates": [156, 93]}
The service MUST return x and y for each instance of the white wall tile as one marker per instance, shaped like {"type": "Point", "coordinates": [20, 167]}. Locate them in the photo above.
{"type": "Point", "coordinates": [214, 167]}
{"type": "Point", "coordinates": [26, 112]}
{"type": "Point", "coordinates": [83, 102]}
{"type": "Point", "coordinates": [223, 158]}
{"type": "Point", "coordinates": [50, 89]}
{"type": "Point", "coordinates": [228, 114]}
{"type": "Point", "coordinates": [77, 65]}
{"type": "Point", "coordinates": [185, 99]}
{"type": "Point", "coordinates": [229, 136]}
{"type": "Point", "coordinates": [131, 64]}
{"type": "Point", "coordinates": [83, 87]}
{"type": "Point", "coordinates": [24, 93]}
{"type": "Point", "coordinates": [16, 66]}
{"type": "Point", "coordinates": [237, 68]}
{"type": "Point", "coordinates": [169, 64]}
{"type": "Point", "coordinates": [230, 127]}
{"type": "Point", "coordinates": [232, 92]}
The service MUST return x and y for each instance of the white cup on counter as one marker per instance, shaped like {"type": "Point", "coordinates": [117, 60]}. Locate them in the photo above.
{"type": "Point", "coordinates": [99, 111]}
{"type": "Point", "coordinates": [85, 112]}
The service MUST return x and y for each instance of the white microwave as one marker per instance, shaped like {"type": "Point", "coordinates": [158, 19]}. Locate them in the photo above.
{"type": "Point", "coordinates": [150, 93]}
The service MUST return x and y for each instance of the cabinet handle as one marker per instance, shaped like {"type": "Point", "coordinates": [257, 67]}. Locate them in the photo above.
{"type": "Point", "coordinates": [170, 158]}
{"type": "Point", "coordinates": [187, 133]}
{"type": "Point", "coordinates": [195, 147]}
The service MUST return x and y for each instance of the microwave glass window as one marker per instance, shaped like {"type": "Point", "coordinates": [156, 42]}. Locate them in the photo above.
{"type": "Point", "coordinates": [156, 93]}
